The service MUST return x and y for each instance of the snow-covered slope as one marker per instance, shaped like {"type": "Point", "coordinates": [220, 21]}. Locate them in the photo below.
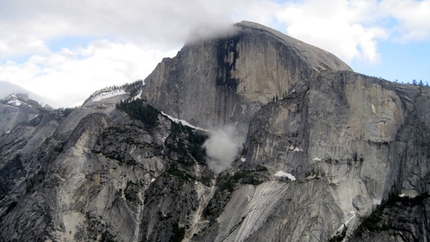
{"type": "Point", "coordinates": [108, 94]}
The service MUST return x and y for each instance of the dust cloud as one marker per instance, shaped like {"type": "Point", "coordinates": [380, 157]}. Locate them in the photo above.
{"type": "Point", "coordinates": [223, 147]}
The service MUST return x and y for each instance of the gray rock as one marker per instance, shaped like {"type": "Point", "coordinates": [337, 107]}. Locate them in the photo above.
{"type": "Point", "coordinates": [234, 76]}
{"type": "Point", "coordinates": [330, 155]}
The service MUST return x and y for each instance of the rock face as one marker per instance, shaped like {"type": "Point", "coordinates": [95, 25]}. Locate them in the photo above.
{"type": "Point", "coordinates": [234, 76]}
{"type": "Point", "coordinates": [330, 155]}
{"type": "Point", "coordinates": [360, 138]}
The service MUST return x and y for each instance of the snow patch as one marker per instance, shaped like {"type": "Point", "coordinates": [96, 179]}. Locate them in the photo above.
{"type": "Point", "coordinates": [296, 149]}
{"type": "Point", "coordinates": [152, 180]}
{"type": "Point", "coordinates": [285, 174]}
{"type": "Point", "coordinates": [183, 122]}
{"type": "Point", "coordinates": [409, 193]}
{"type": "Point", "coordinates": [317, 159]}
{"type": "Point", "coordinates": [137, 96]}
{"type": "Point", "coordinates": [164, 138]}
{"type": "Point", "coordinates": [243, 159]}
{"type": "Point", "coordinates": [7, 132]}
{"type": "Point", "coordinates": [376, 201]}
{"type": "Point", "coordinates": [105, 95]}
{"type": "Point", "coordinates": [344, 225]}
{"type": "Point", "coordinates": [14, 102]}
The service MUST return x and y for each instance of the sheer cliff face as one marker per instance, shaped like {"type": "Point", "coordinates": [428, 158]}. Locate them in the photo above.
{"type": "Point", "coordinates": [330, 154]}
{"type": "Point", "coordinates": [234, 76]}
{"type": "Point", "coordinates": [349, 132]}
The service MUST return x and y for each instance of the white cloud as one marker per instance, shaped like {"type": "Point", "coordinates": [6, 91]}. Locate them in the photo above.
{"type": "Point", "coordinates": [352, 25]}
{"type": "Point", "coordinates": [70, 76]}
{"type": "Point", "coordinates": [166, 23]}
{"type": "Point", "coordinates": [351, 28]}
{"type": "Point", "coordinates": [129, 37]}
{"type": "Point", "coordinates": [338, 26]}
{"type": "Point", "coordinates": [413, 18]}
{"type": "Point", "coordinates": [260, 11]}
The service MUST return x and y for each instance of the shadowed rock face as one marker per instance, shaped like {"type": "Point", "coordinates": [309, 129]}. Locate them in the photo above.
{"type": "Point", "coordinates": [234, 76]}
{"type": "Point", "coordinates": [330, 154]}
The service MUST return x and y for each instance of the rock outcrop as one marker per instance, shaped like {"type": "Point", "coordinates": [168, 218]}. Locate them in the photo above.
{"type": "Point", "coordinates": [234, 76]}
{"type": "Point", "coordinates": [350, 134]}
{"type": "Point", "coordinates": [329, 155]}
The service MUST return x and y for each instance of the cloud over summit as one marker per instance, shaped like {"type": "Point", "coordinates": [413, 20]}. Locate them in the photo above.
{"type": "Point", "coordinates": [211, 30]}
{"type": "Point", "coordinates": [40, 38]}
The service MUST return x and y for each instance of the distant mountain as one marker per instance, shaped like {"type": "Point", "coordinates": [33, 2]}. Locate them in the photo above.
{"type": "Point", "coordinates": [18, 108]}
{"type": "Point", "coordinates": [7, 88]}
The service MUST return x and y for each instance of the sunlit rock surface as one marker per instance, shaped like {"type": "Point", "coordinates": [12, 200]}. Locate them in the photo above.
{"type": "Point", "coordinates": [234, 76]}
{"type": "Point", "coordinates": [329, 154]}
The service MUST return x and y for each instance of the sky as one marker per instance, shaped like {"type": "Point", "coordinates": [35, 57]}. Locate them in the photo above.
{"type": "Point", "coordinates": [66, 50]}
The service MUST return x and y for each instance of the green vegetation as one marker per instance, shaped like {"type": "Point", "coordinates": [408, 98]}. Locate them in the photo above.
{"type": "Point", "coordinates": [206, 177]}
{"type": "Point", "coordinates": [255, 141]}
{"type": "Point", "coordinates": [121, 157]}
{"type": "Point", "coordinates": [252, 177]}
{"type": "Point", "coordinates": [174, 170]}
{"type": "Point", "coordinates": [130, 191]}
{"type": "Point", "coordinates": [133, 88]}
{"type": "Point", "coordinates": [339, 236]}
{"type": "Point", "coordinates": [226, 185]}
{"type": "Point", "coordinates": [187, 143]}
{"type": "Point", "coordinates": [418, 83]}
{"type": "Point", "coordinates": [141, 111]}
{"type": "Point", "coordinates": [59, 147]}
{"type": "Point", "coordinates": [375, 221]}
{"type": "Point", "coordinates": [117, 142]}
{"type": "Point", "coordinates": [178, 233]}
{"type": "Point", "coordinates": [106, 236]}
{"type": "Point", "coordinates": [196, 141]}
{"type": "Point", "coordinates": [64, 111]}
{"type": "Point", "coordinates": [123, 134]}
{"type": "Point", "coordinates": [315, 173]}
